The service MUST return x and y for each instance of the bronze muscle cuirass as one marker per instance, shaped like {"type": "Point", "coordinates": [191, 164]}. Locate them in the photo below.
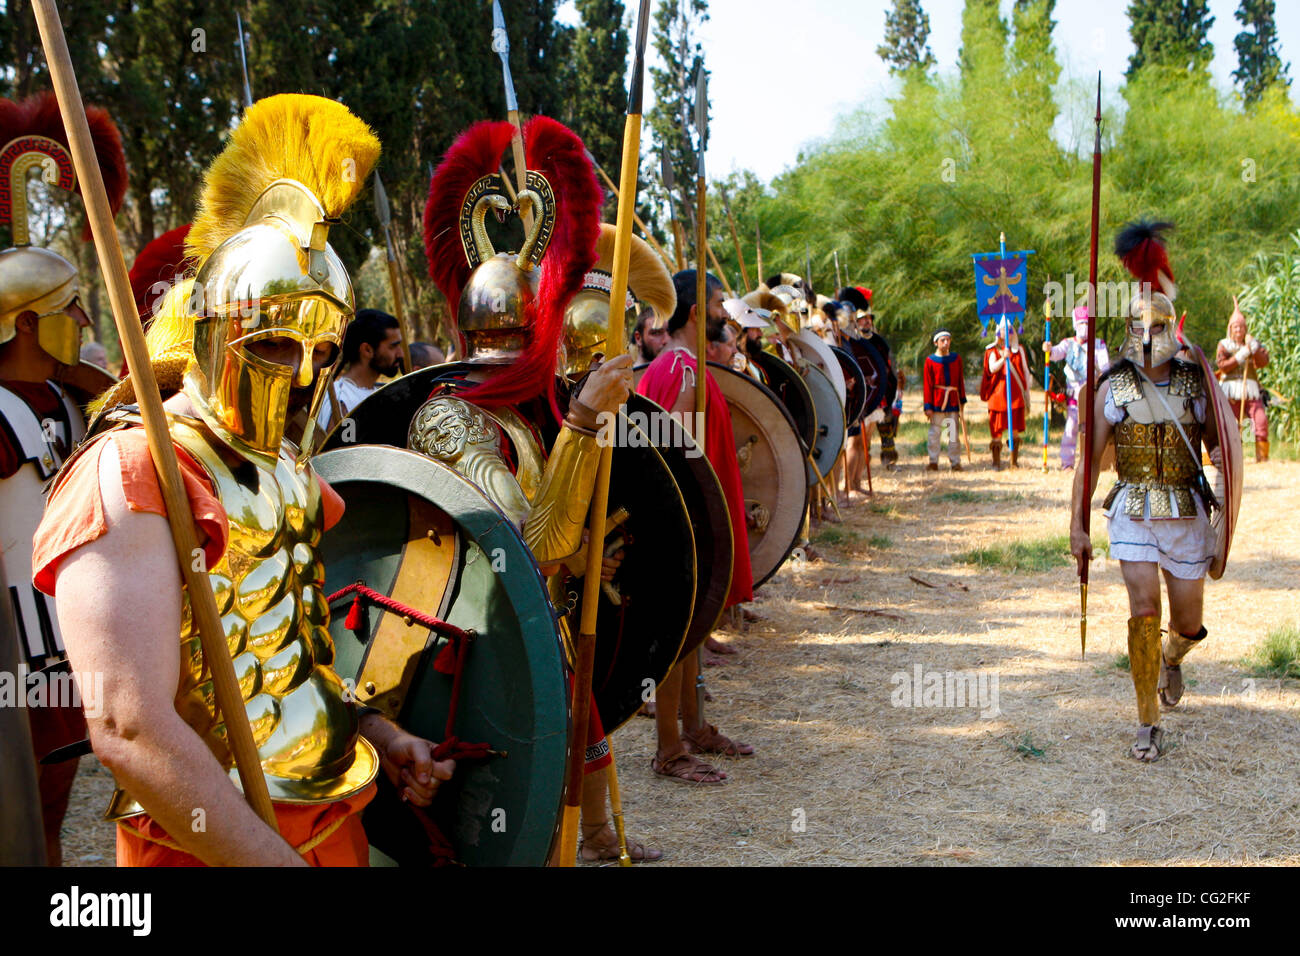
{"type": "Point", "coordinates": [269, 591]}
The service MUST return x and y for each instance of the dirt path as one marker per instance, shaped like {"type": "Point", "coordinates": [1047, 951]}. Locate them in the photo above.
{"type": "Point", "coordinates": [844, 777]}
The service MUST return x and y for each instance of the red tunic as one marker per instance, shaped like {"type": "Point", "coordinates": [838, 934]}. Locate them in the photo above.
{"type": "Point", "coordinates": [662, 383]}
{"type": "Point", "coordinates": [943, 383]}
{"type": "Point", "coordinates": [993, 389]}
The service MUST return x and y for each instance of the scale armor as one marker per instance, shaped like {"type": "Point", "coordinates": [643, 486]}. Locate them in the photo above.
{"type": "Point", "coordinates": [1151, 459]}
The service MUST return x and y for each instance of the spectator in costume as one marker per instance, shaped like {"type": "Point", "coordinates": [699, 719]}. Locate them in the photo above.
{"type": "Point", "coordinates": [1238, 359]}
{"type": "Point", "coordinates": [944, 389]}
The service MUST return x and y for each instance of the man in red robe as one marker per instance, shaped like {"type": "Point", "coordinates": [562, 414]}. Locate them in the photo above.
{"type": "Point", "coordinates": [670, 382]}
{"type": "Point", "coordinates": [993, 389]}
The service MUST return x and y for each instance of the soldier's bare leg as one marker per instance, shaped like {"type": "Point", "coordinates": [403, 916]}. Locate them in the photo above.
{"type": "Point", "coordinates": [599, 841]}
{"type": "Point", "coordinates": [672, 759]}
{"type": "Point", "coordinates": [1186, 630]}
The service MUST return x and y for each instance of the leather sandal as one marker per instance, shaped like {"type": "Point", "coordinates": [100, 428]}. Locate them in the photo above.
{"type": "Point", "coordinates": [1150, 739]}
{"type": "Point", "coordinates": [707, 740]}
{"type": "Point", "coordinates": [684, 768]}
{"type": "Point", "coordinates": [604, 845]}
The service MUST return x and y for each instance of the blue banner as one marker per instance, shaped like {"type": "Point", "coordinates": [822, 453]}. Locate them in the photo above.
{"type": "Point", "coordinates": [1001, 286]}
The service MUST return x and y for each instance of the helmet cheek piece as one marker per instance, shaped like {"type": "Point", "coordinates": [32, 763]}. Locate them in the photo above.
{"type": "Point", "coordinates": [59, 335]}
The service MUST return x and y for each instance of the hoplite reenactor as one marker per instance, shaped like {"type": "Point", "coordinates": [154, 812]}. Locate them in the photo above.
{"type": "Point", "coordinates": [507, 382]}
{"type": "Point", "coordinates": [254, 334]}
{"type": "Point", "coordinates": [670, 383]}
{"type": "Point", "coordinates": [752, 323]}
{"type": "Point", "coordinates": [865, 322]}
{"type": "Point", "coordinates": [1164, 518]}
{"type": "Point", "coordinates": [1002, 354]}
{"type": "Point", "coordinates": [42, 387]}
{"type": "Point", "coordinates": [1238, 359]}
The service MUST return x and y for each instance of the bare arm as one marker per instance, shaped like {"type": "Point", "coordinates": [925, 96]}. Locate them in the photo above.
{"type": "Point", "coordinates": [120, 611]}
{"type": "Point", "coordinates": [1080, 543]}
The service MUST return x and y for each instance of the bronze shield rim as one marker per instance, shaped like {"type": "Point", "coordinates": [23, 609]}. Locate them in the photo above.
{"type": "Point", "coordinates": [777, 478]}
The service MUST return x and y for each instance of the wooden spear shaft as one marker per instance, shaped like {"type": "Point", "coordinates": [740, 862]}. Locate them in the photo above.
{"type": "Point", "coordinates": [399, 310]}
{"type": "Point", "coordinates": [701, 307]}
{"type": "Point", "coordinates": [735, 239]}
{"type": "Point", "coordinates": [179, 516]}
{"type": "Point", "coordinates": [616, 344]}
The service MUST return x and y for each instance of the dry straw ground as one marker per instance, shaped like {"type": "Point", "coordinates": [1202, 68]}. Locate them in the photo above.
{"type": "Point", "coordinates": [1047, 781]}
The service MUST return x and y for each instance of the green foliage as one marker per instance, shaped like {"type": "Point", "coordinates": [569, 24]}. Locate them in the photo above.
{"type": "Point", "coordinates": [1171, 33]}
{"type": "Point", "coordinates": [599, 65]}
{"type": "Point", "coordinates": [1120, 662]}
{"type": "Point", "coordinates": [907, 30]}
{"type": "Point", "coordinates": [835, 535]}
{"type": "Point", "coordinates": [1279, 653]}
{"type": "Point", "coordinates": [1258, 65]}
{"type": "Point", "coordinates": [1035, 70]}
{"type": "Point", "coordinates": [1271, 302]}
{"type": "Point", "coordinates": [880, 542]}
{"type": "Point", "coordinates": [906, 193]}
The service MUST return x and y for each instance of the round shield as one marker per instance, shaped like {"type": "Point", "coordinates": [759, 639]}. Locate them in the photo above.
{"type": "Point", "coordinates": [855, 386]}
{"type": "Point", "coordinates": [818, 354]}
{"type": "Point", "coordinates": [791, 390]}
{"type": "Point", "coordinates": [646, 610]}
{"type": "Point", "coordinates": [706, 504]}
{"type": "Point", "coordinates": [773, 472]}
{"type": "Point", "coordinates": [1229, 483]}
{"type": "Point", "coordinates": [658, 570]}
{"type": "Point", "coordinates": [384, 416]}
{"type": "Point", "coordinates": [426, 537]}
{"type": "Point", "coordinates": [830, 424]}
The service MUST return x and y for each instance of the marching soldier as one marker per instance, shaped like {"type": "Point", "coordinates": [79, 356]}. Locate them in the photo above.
{"type": "Point", "coordinates": [1239, 357]}
{"type": "Point", "coordinates": [507, 382]}
{"type": "Point", "coordinates": [1159, 410]}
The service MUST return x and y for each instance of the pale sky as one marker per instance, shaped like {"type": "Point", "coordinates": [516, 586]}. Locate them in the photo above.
{"type": "Point", "coordinates": [782, 72]}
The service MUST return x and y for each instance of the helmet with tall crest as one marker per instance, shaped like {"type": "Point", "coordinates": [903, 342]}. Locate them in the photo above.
{"type": "Point", "coordinates": [1150, 325]}
{"type": "Point", "coordinates": [510, 306]}
{"type": "Point", "coordinates": [266, 269]}
{"type": "Point", "coordinates": [586, 320]}
{"type": "Point", "coordinates": [33, 279]}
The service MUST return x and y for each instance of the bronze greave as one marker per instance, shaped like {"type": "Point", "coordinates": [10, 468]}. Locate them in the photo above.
{"type": "Point", "coordinates": [1144, 664]}
{"type": "Point", "coordinates": [1177, 645]}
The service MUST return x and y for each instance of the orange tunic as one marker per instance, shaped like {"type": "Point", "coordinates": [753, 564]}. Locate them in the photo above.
{"type": "Point", "coordinates": [327, 834]}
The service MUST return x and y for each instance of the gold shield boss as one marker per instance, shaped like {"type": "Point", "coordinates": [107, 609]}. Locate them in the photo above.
{"type": "Point", "coordinates": [275, 279]}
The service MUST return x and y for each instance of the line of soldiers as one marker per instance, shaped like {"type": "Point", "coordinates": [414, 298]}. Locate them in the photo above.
{"type": "Point", "coordinates": [398, 569]}
{"type": "Point", "coordinates": [400, 597]}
